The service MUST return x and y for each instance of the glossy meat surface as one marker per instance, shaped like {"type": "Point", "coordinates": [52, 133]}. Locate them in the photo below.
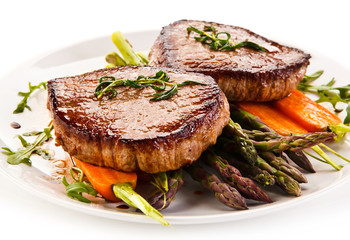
{"type": "Point", "coordinates": [243, 74]}
{"type": "Point", "coordinates": [130, 132]}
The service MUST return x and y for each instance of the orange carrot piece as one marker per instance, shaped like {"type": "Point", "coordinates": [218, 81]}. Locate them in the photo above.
{"type": "Point", "coordinates": [307, 113]}
{"type": "Point", "coordinates": [102, 178]}
{"type": "Point", "coordinates": [272, 117]}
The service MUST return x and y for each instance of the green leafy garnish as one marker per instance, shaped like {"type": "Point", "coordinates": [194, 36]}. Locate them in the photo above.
{"type": "Point", "coordinates": [347, 118]}
{"type": "Point", "coordinates": [107, 85]}
{"type": "Point", "coordinates": [23, 155]}
{"type": "Point", "coordinates": [76, 189]}
{"type": "Point", "coordinates": [220, 41]}
{"type": "Point", "coordinates": [327, 92]}
{"type": "Point", "coordinates": [23, 104]}
{"type": "Point", "coordinates": [305, 83]}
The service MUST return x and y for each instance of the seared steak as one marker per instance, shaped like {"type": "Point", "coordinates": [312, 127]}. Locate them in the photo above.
{"type": "Point", "coordinates": [243, 74]}
{"type": "Point", "coordinates": [129, 132]}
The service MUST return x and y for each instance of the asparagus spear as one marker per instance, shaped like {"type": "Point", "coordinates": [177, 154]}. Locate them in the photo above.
{"type": "Point", "coordinates": [300, 159]}
{"type": "Point", "coordinates": [261, 176]}
{"type": "Point", "coordinates": [258, 135]}
{"type": "Point", "coordinates": [233, 177]}
{"type": "Point", "coordinates": [293, 142]}
{"type": "Point", "coordinates": [280, 164]}
{"type": "Point", "coordinates": [222, 191]}
{"type": "Point", "coordinates": [250, 121]}
{"type": "Point", "coordinates": [246, 148]}
{"type": "Point", "coordinates": [287, 183]}
{"type": "Point", "coordinates": [161, 199]}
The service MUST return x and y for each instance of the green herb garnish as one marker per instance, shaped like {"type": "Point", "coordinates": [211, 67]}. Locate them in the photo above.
{"type": "Point", "coordinates": [327, 92]}
{"type": "Point", "coordinates": [80, 186]}
{"type": "Point", "coordinates": [158, 82]}
{"type": "Point", "coordinates": [23, 104]}
{"type": "Point", "coordinates": [22, 155]}
{"type": "Point", "coordinates": [211, 37]}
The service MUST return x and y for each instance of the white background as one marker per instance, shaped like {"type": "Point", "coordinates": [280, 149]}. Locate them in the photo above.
{"type": "Point", "coordinates": [30, 28]}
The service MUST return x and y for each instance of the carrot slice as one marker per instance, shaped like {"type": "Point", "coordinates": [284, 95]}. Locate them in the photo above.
{"type": "Point", "coordinates": [307, 113]}
{"type": "Point", "coordinates": [272, 117]}
{"type": "Point", "coordinates": [102, 178]}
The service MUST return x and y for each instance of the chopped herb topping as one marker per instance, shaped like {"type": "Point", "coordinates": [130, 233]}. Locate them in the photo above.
{"type": "Point", "coordinates": [220, 41]}
{"type": "Point", "coordinates": [158, 82]}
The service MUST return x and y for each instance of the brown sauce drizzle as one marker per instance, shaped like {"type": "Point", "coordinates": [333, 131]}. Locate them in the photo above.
{"type": "Point", "coordinates": [198, 192]}
{"type": "Point", "coordinates": [123, 206]}
{"type": "Point", "coordinates": [15, 125]}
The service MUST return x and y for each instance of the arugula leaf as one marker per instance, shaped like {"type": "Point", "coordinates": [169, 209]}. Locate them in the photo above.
{"type": "Point", "coordinates": [347, 118]}
{"type": "Point", "coordinates": [22, 155]}
{"type": "Point", "coordinates": [76, 189]}
{"type": "Point", "coordinates": [304, 84]}
{"type": "Point", "coordinates": [327, 92]}
{"type": "Point", "coordinates": [23, 104]}
{"type": "Point", "coordinates": [333, 98]}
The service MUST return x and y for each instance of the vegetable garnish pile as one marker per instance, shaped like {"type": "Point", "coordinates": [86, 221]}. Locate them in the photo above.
{"type": "Point", "coordinates": [264, 144]}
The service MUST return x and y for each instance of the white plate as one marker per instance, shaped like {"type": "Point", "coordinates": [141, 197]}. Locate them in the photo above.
{"type": "Point", "coordinates": [189, 207]}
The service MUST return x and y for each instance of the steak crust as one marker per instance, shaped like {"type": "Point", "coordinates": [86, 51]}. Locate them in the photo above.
{"type": "Point", "coordinates": [130, 132]}
{"type": "Point", "coordinates": [243, 74]}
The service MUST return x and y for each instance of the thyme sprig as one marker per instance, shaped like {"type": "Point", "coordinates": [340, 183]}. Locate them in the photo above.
{"type": "Point", "coordinates": [23, 155]}
{"type": "Point", "coordinates": [107, 85]}
{"type": "Point", "coordinates": [327, 92]}
{"type": "Point", "coordinates": [76, 189]}
{"type": "Point", "coordinates": [23, 104]}
{"type": "Point", "coordinates": [220, 41]}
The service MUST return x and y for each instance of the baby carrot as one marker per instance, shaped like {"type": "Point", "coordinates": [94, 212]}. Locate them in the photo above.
{"type": "Point", "coordinates": [102, 178]}
{"type": "Point", "coordinates": [272, 117]}
{"type": "Point", "coordinates": [307, 113]}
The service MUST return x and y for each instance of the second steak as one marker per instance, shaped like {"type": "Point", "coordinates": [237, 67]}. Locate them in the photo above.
{"type": "Point", "coordinates": [243, 74]}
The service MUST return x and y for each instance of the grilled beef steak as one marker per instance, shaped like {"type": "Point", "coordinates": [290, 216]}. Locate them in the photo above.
{"type": "Point", "coordinates": [243, 74]}
{"type": "Point", "coordinates": [129, 132]}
